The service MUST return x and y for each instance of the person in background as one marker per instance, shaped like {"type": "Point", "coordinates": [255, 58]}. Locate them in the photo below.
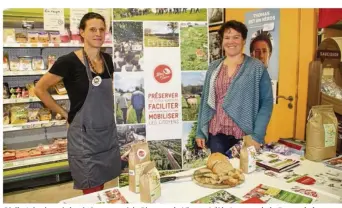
{"type": "Point", "coordinates": [261, 48]}
{"type": "Point", "coordinates": [138, 103]}
{"type": "Point", "coordinates": [129, 66]}
{"type": "Point", "coordinates": [237, 100]}
{"type": "Point", "coordinates": [122, 104]}
{"type": "Point", "coordinates": [87, 73]}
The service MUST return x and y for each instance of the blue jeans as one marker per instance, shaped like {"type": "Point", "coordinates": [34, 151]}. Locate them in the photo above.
{"type": "Point", "coordinates": [221, 143]}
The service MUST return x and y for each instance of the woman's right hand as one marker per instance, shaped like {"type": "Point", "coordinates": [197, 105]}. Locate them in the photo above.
{"type": "Point", "coordinates": [200, 143]}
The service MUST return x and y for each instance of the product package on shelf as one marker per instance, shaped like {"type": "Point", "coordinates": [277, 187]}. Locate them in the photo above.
{"type": "Point", "coordinates": [19, 114]}
{"type": "Point", "coordinates": [38, 63]}
{"type": "Point", "coordinates": [5, 65]}
{"type": "Point", "coordinates": [25, 63]}
{"type": "Point", "coordinates": [51, 60]}
{"type": "Point", "coordinates": [20, 36]}
{"type": "Point", "coordinates": [43, 37]}
{"type": "Point", "coordinates": [55, 37]}
{"type": "Point", "coordinates": [32, 36]}
{"type": "Point", "coordinates": [9, 35]}
{"type": "Point", "coordinates": [9, 155]}
{"type": "Point", "coordinates": [60, 89]}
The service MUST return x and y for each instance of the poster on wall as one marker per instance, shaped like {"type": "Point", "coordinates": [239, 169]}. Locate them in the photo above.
{"type": "Point", "coordinates": [193, 157]}
{"type": "Point", "coordinates": [263, 41]}
{"type": "Point", "coordinates": [216, 16]}
{"type": "Point", "coordinates": [160, 14]}
{"type": "Point", "coordinates": [162, 56]}
{"type": "Point", "coordinates": [128, 46]}
{"type": "Point", "coordinates": [194, 45]}
{"type": "Point", "coordinates": [215, 49]}
{"type": "Point", "coordinates": [54, 19]}
{"type": "Point", "coordinates": [76, 15]}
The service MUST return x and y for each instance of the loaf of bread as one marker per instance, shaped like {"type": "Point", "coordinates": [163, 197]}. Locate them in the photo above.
{"type": "Point", "coordinates": [219, 164]}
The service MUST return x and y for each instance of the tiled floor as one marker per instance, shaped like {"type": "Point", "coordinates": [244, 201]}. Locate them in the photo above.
{"type": "Point", "coordinates": [49, 194]}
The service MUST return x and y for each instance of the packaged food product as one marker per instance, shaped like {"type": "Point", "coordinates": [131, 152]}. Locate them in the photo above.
{"type": "Point", "coordinates": [55, 37]}
{"type": "Point", "coordinates": [9, 155]}
{"type": "Point", "coordinates": [247, 157]}
{"type": "Point", "coordinates": [139, 157]}
{"type": "Point", "coordinates": [5, 64]}
{"type": "Point", "coordinates": [60, 89]}
{"type": "Point", "coordinates": [32, 37]}
{"type": "Point", "coordinates": [22, 154]}
{"type": "Point", "coordinates": [6, 115]}
{"type": "Point", "coordinates": [43, 37]}
{"type": "Point", "coordinates": [9, 35]}
{"type": "Point", "coordinates": [44, 114]}
{"type": "Point", "coordinates": [6, 92]}
{"type": "Point", "coordinates": [65, 36]}
{"type": "Point", "coordinates": [34, 152]}
{"type": "Point", "coordinates": [19, 114]}
{"type": "Point", "coordinates": [75, 37]}
{"type": "Point", "coordinates": [150, 189]}
{"type": "Point", "coordinates": [24, 93]}
{"type": "Point", "coordinates": [33, 114]}
{"type": "Point", "coordinates": [13, 96]}
{"type": "Point", "coordinates": [322, 133]}
{"type": "Point", "coordinates": [25, 63]}
{"type": "Point", "coordinates": [51, 61]}
{"type": "Point", "coordinates": [30, 88]}
{"type": "Point", "coordinates": [38, 63]}
{"type": "Point", "coordinates": [20, 37]}
{"type": "Point", "coordinates": [14, 65]}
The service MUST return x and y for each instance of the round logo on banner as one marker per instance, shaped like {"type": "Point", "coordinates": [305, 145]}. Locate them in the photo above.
{"type": "Point", "coordinates": [162, 73]}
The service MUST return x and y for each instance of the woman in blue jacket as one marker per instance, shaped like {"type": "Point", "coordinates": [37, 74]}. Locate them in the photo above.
{"type": "Point", "coordinates": [237, 98]}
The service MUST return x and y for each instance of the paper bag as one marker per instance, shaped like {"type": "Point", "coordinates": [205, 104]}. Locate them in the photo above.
{"type": "Point", "coordinates": [321, 133]}
{"type": "Point", "coordinates": [139, 157]}
{"type": "Point", "coordinates": [150, 189]}
{"type": "Point", "coordinates": [247, 157]}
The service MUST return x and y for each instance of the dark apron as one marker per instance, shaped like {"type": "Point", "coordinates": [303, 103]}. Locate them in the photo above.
{"type": "Point", "coordinates": [93, 148]}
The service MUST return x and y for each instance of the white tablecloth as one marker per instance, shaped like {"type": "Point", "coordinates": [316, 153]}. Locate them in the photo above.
{"type": "Point", "coordinates": [185, 191]}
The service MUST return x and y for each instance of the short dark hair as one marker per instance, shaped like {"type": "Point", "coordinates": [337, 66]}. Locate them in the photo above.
{"type": "Point", "coordinates": [137, 88]}
{"type": "Point", "coordinates": [89, 16]}
{"type": "Point", "coordinates": [236, 25]}
{"type": "Point", "coordinates": [261, 37]}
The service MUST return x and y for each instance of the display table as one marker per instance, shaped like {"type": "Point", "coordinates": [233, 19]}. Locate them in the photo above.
{"type": "Point", "coordinates": [185, 191]}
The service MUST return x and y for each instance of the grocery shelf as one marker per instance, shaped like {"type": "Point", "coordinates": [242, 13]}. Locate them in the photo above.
{"type": "Point", "coordinates": [35, 175]}
{"type": "Point", "coordinates": [32, 99]}
{"type": "Point", "coordinates": [49, 45]}
{"type": "Point", "coordinates": [24, 73]}
{"type": "Point", "coordinates": [34, 160]}
{"type": "Point", "coordinates": [33, 125]}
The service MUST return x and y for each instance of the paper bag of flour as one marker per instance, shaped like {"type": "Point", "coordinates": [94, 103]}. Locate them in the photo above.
{"type": "Point", "coordinates": [247, 157]}
{"type": "Point", "coordinates": [321, 133]}
{"type": "Point", "coordinates": [150, 189]}
{"type": "Point", "coordinates": [139, 157]}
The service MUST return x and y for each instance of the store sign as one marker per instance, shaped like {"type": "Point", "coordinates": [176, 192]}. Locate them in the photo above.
{"type": "Point", "coordinates": [54, 19]}
{"type": "Point", "coordinates": [330, 54]}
